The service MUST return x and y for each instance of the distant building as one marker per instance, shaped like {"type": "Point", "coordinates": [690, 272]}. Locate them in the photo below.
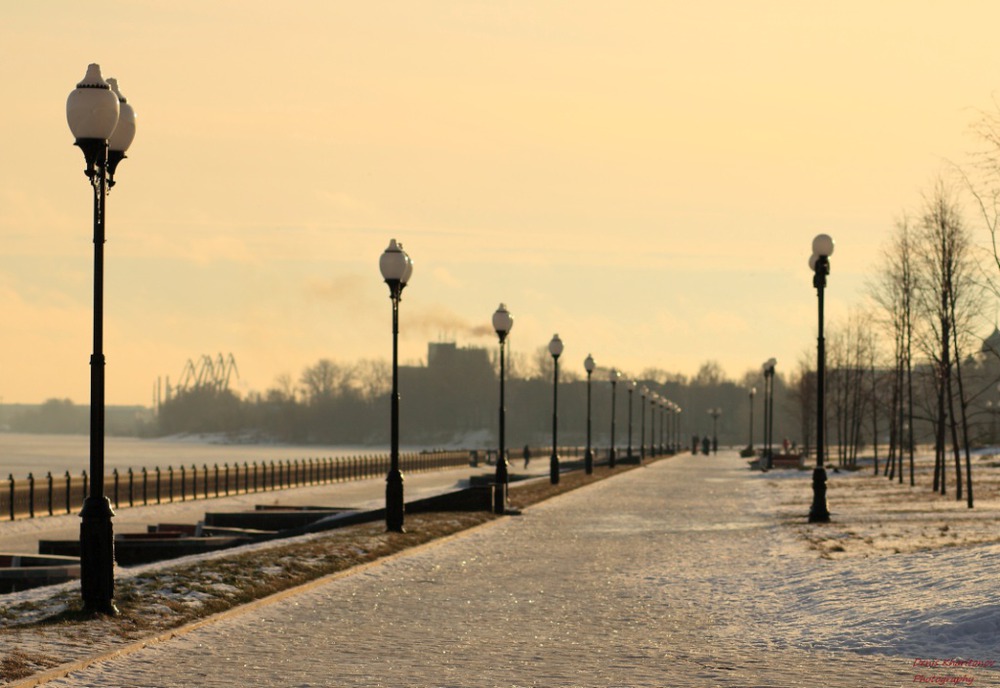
{"type": "Point", "coordinates": [451, 395]}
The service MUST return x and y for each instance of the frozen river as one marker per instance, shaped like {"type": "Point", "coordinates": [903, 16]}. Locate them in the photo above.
{"type": "Point", "coordinates": [21, 454]}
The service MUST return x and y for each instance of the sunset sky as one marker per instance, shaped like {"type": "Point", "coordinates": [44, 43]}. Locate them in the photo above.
{"type": "Point", "coordinates": [644, 178]}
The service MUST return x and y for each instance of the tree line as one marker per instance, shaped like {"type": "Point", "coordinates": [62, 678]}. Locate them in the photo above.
{"type": "Point", "coordinates": [347, 403]}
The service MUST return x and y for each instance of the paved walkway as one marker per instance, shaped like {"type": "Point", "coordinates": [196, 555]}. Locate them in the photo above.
{"type": "Point", "coordinates": [650, 578]}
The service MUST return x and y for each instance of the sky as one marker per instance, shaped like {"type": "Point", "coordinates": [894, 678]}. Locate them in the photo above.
{"type": "Point", "coordinates": [643, 178]}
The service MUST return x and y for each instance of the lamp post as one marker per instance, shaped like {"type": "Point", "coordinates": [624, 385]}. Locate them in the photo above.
{"type": "Point", "coordinates": [753, 392]}
{"type": "Point", "coordinates": [677, 427]}
{"type": "Point", "coordinates": [671, 418]}
{"type": "Point", "coordinates": [653, 399]}
{"type": "Point", "coordinates": [663, 426]}
{"type": "Point", "coordinates": [103, 124]}
{"type": "Point", "coordinates": [715, 413]}
{"type": "Point", "coordinates": [502, 322]}
{"type": "Point", "coordinates": [396, 268]}
{"type": "Point", "coordinates": [642, 424]}
{"type": "Point", "coordinates": [631, 390]}
{"type": "Point", "coordinates": [768, 370]}
{"type": "Point", "coordinates": [588, 457]}
{"type": "Point", "coordinates": [654, 404]}
{"type": "Point", "coordinates": [556, 349]}
{"type": "Point", "coordinates": [822, 249]}
{"type": "Point", "coordinates": [613, 376]}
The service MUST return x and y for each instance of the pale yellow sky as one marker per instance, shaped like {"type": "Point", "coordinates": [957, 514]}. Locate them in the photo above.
{"type": "Point", "coordinates": [644, 178]}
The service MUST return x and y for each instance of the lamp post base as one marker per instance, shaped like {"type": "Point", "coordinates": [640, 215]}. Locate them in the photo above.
{"type": "Point", "coordinates": [500, 486]}
{"type": "Point", "coordinates": [819, 513]}
{"type": "Point", "coordinates": [97, 556]}
{"type": "Point", "coordinates": [500, 498]}
{"type": "Point", "coordinates": [588, 462]}
{"type": "Point", "coordinates": [554, 469]}
{"type": "Point", "coordinates": [394, 505]}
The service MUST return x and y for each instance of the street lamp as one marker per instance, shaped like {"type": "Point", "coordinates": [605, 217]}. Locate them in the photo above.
{"type": "Point", "coordinates": [642, 424]}
{"type": "Point", "coordinates": [631, 390]}
{"type": "Point", "coordinates": [677, 427]}
{"type": "Point", "coordinates": [653, 400]}
{"type": "Point", "coordinates": [556, 349]}
{"type": "Point", "coordinates": [715, 413]}
{"type": "Point", "coordinates": [502, 322]}
{"type": "Point", "coordinates": [663, 425]}
{"type": "Point", "coordinates": [613, 376]}
{"type": "Point", "coordinates": [753, 393]}
{"type": "Point", "coordinates": [768, 370]}
{"type": "Point", "coordinates": [396, 268]}
{"type": "Point", "coordinates": [588, 457]}
{"type": "Point", "coordinates": [822, 249]}
{"type": "Point", "coordinates": [671, 424]}
{"type": "Point", "coordinates": [103, 124]}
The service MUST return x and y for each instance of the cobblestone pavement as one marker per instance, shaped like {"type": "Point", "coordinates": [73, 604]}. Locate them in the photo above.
{"type": "Point", "coordinates": [657, 577]}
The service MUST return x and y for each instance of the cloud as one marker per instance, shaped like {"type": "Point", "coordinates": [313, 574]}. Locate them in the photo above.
{"type": "Point", "coordinates": [437, 321]}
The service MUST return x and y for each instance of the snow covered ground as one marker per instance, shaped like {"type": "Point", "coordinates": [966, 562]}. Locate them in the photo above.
{"type": "Point", "coordinates": [691, 572]}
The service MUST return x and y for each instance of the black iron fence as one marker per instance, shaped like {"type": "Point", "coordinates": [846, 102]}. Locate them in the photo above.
{"type": "Point", "coordinates": [55, 494]}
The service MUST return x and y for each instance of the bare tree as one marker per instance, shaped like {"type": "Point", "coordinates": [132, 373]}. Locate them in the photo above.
{"type": "Point", "coordinates": [543, 366]}
{"type": "Point", "coordinates": [322, 380]}
{"type": "Point", "coordinates": [372, 378]}
{"type": "Point", "coordinates": [894, 290]}
{"type": "Point", "coordinates": [802, 396]}
{"type": "Point", "coordinates": [982, 179]}
{"type": "Point", "coordinates": [710, 373]}
{"type": "Point", "coordinates": [849, 357]}
{"type": "Point", "coordinates": [946, 267]}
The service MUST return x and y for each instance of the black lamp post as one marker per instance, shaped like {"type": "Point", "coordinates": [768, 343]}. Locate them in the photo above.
{"type": "Point", "coordinates": [556, 349]}
{"type": "Point", "coordinates": [502, 322]}
{"type": "Point", "coordinates": [103, 124]}
{"type": "Point", "coordinates": [642, 423]}
{"type": "Point", "coordinates": [631, 390]}
{"type": "Point", "coordinates": [588, 457]}
{"type": "Point", "coordinates": [613, 376]}
{"type": "Point", "coordinates": [768, 369]}
{"type": "Point", "coordinates": [677, 427]}
{"type": "Point", "coordinates": [653, 397]}
{"type": "Point", "coordinates": [715, 413]}
{"type": "Point", "coordinates": [671, 424]}
{"type": "Point", "coordinates": [663, 426]}
{"type": "Point", "coordinates": [753, 393]}
{"type": "Point", "coordinates": [396, 268]}
{"type": "Point", "coordinates": [820, 263]}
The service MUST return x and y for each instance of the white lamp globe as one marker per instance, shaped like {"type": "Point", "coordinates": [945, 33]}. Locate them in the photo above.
{"type": "Point", "coordinates": [556, 346]}
{"type": "Point", "coordinates": [124, 133]}
{"type": "Point", "coordinates": [393, 262]}
{"type": "Point", "coordinates": [823, 245]}
{"type": "Point", "coordinates": [502, 321]}
{"type": "Point", "coordinates": [91, 108]}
